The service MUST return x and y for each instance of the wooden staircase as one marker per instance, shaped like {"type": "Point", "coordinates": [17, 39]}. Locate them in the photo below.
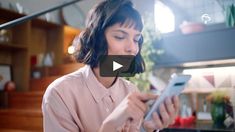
{"type": "Point", "coordinates": [21, 119]}
{"type": "Point", "coordinates": [23, 110]}
{"type": "Point", "coordinates": [26, 100]}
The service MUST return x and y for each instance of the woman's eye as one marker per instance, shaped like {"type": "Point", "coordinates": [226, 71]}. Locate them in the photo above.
{"type": "Point", "coordinates": [119, 37]}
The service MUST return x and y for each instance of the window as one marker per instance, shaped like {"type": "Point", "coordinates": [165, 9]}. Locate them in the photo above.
{"type": "Point", "coordinates": [164, 17]}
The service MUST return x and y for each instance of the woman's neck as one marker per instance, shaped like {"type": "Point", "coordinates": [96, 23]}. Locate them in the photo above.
{"type": "Point", "coordinates": [106, 81]}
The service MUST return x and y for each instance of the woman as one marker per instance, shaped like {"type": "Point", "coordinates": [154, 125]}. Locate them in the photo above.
{"type": "Point", "coordinates": [86, 101]}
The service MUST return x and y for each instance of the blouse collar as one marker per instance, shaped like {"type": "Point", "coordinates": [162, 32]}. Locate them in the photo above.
{"type": "Point", "coordinates": [97, 89]}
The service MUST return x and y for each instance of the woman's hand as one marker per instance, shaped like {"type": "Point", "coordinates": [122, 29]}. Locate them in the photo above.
{"type": "Point", "coordinates": [132, 108]}
{"type": "Point", "coordinates": [168, 112]}
{"type": "Point", "coordinates": [130, 126]}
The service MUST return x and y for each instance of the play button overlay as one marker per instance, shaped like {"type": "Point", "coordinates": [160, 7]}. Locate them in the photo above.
{"type": "Point", "coordinates": [116, 65]}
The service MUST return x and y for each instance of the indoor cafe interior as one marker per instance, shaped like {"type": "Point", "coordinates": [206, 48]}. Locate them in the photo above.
{"type": "Point", "coordinates": [39, 41]}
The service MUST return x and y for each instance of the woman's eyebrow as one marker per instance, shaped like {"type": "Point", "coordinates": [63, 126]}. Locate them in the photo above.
{"type": "Point", "coordinates": [124, 32]}
{"type": "Point", "coordinates": [119, 30]}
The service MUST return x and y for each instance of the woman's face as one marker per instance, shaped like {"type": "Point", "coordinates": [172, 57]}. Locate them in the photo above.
{"type": "Point", "coordinates": [122, 40]}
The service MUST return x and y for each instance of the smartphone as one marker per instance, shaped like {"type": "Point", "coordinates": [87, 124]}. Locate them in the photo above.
{"type": "Point", "coordinates": [175, 87]}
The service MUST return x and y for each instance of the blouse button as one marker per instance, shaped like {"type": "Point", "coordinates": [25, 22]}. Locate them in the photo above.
{"type": "Point", "coordinates": [107, 110]}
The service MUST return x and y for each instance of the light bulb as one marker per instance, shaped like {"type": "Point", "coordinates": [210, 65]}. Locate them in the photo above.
{"type": "Point", "coordinates": [71, 49]}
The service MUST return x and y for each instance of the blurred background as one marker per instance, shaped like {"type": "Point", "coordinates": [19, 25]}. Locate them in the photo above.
{"type": "Point", "coordinates": [193, 37]}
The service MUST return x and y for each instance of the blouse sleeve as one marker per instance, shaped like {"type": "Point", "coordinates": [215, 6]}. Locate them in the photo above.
{"type": "Point", "coordinates": [56, 115]}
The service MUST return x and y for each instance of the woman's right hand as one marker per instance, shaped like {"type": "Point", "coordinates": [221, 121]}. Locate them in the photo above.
{"type": "Point", "coordinates": [167, 114]}
{"type": "Point", "coordinates": [132, 108]}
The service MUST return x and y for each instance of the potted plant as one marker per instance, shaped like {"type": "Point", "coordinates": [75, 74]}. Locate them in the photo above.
{"type": "Point", "coordinates": [218, 99]}
{"type": "Point", "coordinates": [229, 12]}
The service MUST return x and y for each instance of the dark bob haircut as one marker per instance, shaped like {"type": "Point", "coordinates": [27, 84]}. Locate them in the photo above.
{"type": "Point", "coordinates": [93, 43]}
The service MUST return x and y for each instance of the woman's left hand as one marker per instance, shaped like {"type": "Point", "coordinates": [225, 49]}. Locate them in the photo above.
{"type": "Point", "coordinates": [168, 112]}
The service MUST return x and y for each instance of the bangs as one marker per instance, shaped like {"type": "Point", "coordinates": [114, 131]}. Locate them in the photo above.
{"type": "Point", "coordinates": [127, 17]}
{"type": "Point", "coordinates": [128, 23]}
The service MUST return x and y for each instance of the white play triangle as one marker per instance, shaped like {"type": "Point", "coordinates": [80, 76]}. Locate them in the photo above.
{"type": "Point", "coordinates": [116, 66]}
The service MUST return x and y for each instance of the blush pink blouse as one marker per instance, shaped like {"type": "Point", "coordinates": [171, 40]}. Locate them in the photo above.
{"type": "Point", "coordinates": [79, 102]}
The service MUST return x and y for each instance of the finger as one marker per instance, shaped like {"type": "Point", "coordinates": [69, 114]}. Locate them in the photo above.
{"type": "Point", "coordinates": [136, 99]}
{"type": "Point", "coordinates": [157, 121]}
{"type": "Point", "coordinates": [176, 103]}
{"type": "Point", "coordinates": [140, 122]}
{"type": "Point", "coordinates": [141, 105]}
{"type": "Point", "coordinates": [146, 96]}
{"type": "Point", "coordinates": [149, 125]}
{"type": "Point", "coordinates": [134, 112]}
{"type": "Point", "coordinates": [127, 126]}
{"type": "Point", "coordinates": [164, 115]}
{"type": "Point", "coordinates": [170, 109]}
{"type": "Point", "coordinates": [134, 126]}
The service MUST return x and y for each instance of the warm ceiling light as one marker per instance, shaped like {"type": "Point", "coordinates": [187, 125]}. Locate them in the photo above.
{"type": "Point", "coordinates": [71, 49]}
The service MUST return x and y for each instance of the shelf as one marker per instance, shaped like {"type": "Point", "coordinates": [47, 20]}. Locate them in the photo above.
{"type": "Point", "coordinates": [12, 47]}
{"type": "Point", "coordinates": [196, 47]}
{"type": "Point", "coordinates": [198, 90]}
{"type": "Point", "coordinates": [9, 14]}
{"type": "Point", "coordinates": [30, 38]}
{"type": "Point", "coordinates": [203, 90]}
{"type": "Point", "coordinates": [44, 24]}
{"type": "Point", "coordinates": [199, 126]}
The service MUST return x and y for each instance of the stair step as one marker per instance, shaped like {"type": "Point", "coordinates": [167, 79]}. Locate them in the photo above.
{"type": "Point", "coordinates": [25, 100]}
{"type": "Point", "coordinates": [21, 119]}
{"type": "Point", "coordinates": [17, 130]}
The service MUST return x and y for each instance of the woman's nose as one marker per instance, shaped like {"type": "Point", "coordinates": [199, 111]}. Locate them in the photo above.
{"type": "Point", "coordinates": [131, 47]}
